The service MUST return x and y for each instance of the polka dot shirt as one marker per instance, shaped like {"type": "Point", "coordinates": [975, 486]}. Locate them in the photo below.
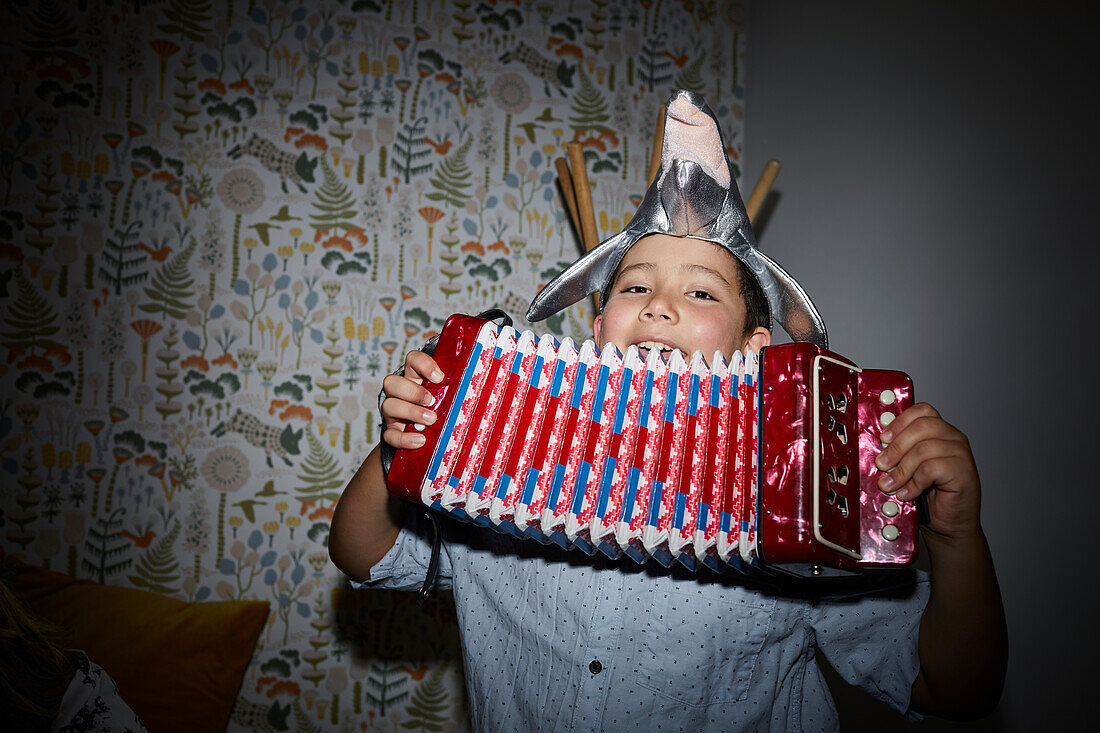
{"type": "Point", "coordinates": [555, 640]}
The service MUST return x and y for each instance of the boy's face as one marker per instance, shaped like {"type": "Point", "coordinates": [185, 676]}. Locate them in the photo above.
{"type": "Point", "coordinates": [677, 292]}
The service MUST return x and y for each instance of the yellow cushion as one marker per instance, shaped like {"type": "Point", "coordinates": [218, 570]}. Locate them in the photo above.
{"type": "Point", "coordinates": [178, 665]}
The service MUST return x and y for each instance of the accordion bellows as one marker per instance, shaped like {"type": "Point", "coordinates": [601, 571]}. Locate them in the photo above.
{"type": "Point", "coordinates": [749, 462]}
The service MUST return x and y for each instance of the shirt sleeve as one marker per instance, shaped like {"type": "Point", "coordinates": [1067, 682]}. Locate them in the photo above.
{"type": "Point", "coordinates": [871, 640]}
{"type": "Point", "coordinates": [405, 566]}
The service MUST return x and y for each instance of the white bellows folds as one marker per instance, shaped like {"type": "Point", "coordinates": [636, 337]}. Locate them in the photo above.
{"type": "Point", "coordinates": [645, 453]}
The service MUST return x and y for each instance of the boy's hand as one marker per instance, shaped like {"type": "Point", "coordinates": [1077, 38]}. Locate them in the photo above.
{"type": "Point", "coordinates": [963, 639]}
{"type": "Point", "coordinates": [926, 452]}
{"type": "Point", "coordinates": [407, 402]}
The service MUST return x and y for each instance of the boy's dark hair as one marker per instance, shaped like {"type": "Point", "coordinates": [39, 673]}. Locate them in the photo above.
{"type": "Point", "coordinates": [756, 305]}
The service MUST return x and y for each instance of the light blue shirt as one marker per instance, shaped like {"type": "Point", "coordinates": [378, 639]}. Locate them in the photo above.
{"type": "Point", "coordinates": [558, 641]}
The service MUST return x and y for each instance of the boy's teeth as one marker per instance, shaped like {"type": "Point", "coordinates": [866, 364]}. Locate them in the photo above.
{"type": "Point", "coordinates": [653, 345]}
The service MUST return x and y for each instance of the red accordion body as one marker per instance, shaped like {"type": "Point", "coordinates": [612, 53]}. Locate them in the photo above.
{"type": "Point", "coordinates": [763, 462]}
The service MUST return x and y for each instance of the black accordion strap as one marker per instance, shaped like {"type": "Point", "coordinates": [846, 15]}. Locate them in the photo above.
{"type": "Point", "coordinates": [387, 453]}
{"type": "Point", "coordinates": [432, 576]}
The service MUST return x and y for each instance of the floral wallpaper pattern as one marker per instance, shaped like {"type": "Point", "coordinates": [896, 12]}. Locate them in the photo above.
{"type": "Point", "coordinates": [222, 223]}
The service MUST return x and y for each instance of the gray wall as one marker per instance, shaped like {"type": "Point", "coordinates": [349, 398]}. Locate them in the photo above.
{"type": "Point", "coordinates": [938, 166]}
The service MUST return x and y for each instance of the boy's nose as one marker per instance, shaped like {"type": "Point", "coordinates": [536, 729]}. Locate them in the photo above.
{"type": "Point", "coordinates": [659, 308]}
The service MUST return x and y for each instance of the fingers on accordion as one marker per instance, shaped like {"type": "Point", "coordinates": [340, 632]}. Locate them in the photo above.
{"type": "Point", "coordinates": [399, 412]}
{"type": "Point", "coordinates": [420, 366]}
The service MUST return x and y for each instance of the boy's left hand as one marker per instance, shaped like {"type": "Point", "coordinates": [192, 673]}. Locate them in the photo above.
{"type": "Point", "coordinates": [926, 452]}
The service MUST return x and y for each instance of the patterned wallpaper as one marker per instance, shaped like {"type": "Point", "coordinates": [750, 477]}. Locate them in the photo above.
{"type": "Point", "coordinates": [222, 223]}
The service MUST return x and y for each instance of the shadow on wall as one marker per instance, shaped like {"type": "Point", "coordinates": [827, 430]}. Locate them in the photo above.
{"type": "Point", "coordinates": [394, 640]}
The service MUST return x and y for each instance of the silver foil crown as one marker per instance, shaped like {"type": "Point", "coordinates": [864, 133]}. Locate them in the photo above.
{"type": "Point", "coordinates": [693, 195]}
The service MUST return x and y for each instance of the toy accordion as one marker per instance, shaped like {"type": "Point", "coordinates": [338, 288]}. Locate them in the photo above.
{"type": "Point", "coordinates": [757, 461]}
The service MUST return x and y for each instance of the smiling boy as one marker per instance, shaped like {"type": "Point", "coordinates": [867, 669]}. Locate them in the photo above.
{"type": "Point", "coordinates": [554, 640]}
{"type": "Point", "coordinates": [681, 293]}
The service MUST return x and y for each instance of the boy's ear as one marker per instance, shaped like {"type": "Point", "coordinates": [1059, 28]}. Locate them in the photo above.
{"type": "Point", "coordinates": [596, 328]}
{"type": "Point", "coordinates": [758, 339]}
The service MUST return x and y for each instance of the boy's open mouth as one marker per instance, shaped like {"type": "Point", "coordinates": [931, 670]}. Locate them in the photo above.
{"type": "Point", "coordinates": [644, 347]}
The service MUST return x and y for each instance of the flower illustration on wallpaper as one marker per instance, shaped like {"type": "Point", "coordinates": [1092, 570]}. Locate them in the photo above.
{"type": "Point", "coordinates": [242, 192]}
{"type": "Point", "coordinates": [512, 94]}
{"type": "Point", "coordinates": [225, 470]}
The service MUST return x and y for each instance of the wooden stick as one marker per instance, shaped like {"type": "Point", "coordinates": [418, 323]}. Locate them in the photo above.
{"type": "Point", "coordinates": [658, 143]}
{"type": "Point", "coordinates": [760, 190]}
{"type": "Point", "coordinates": [585, 211]}
{"type": "Point", "coordinates": [566, 180]}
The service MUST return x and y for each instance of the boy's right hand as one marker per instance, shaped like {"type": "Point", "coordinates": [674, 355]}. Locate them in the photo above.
{"type": "Point", "coordinates": [407, 402]}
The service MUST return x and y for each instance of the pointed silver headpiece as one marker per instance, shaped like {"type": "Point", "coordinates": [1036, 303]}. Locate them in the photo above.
{"type": "Point", "coordinates": [694, 195]}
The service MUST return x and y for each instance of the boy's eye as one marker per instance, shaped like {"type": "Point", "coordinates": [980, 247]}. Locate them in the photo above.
{"type": "Point", "coordinates": [701, 294]}
{"type": "Point", "coordinates": [635, 289]}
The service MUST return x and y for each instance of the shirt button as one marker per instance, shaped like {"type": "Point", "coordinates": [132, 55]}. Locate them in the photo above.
{"type": "Point", "coordinates": [595, 667]}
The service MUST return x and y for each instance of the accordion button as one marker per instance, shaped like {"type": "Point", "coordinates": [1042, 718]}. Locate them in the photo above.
{"type": "Point", "coordinates": [890, 508]}
{"type": "Point", "coordinates": [595, 667]}
{"type": "Point", "coordinates": [886, 418]}
{"type": "Point", "coordinates": [887, 397]}
{"type": "Point", "coordinates": [889, 533]}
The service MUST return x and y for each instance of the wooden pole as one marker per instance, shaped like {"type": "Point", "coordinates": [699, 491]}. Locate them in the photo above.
{"type": "Point", "coordinates": [585, 211]}
{"type": "Point", "coordinates": [658, 142]}
{"type": "Point", "coordinates": [565, 178]}
{"type": "Point", "coordinates": [760, 190]}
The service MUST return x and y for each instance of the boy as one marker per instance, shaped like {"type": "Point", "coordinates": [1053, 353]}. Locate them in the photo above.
{"type": "Point", "coordinates": [556, 640]}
